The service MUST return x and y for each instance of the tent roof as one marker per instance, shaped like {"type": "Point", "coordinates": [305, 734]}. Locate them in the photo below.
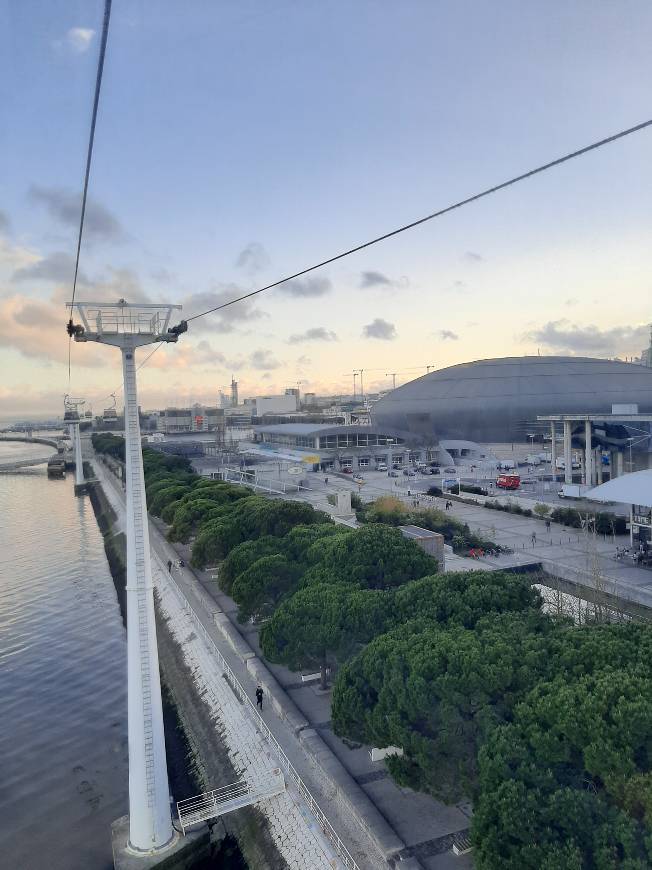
{"type": "Point", "coordinates": [634, 488]}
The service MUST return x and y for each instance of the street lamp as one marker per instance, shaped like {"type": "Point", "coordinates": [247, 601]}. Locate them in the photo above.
{"type": "Point", "coordinates": [128, 327]}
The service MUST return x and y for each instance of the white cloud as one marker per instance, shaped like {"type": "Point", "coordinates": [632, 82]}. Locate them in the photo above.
{"type": "Point", "coordinates": [79, 39]}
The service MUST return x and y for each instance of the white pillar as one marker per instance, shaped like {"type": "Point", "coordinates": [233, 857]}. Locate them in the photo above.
{"type": "Point", "coordinates": [150, 824]}
{"type": "Point", "coordinates": [588, 455]}
{"type": "Point", "coordinates": [553, 450]}
{"type": "Point", "coordinates": [598, 466]}
{"type": "Point", "coordinates": [79, 466]}
{"type": "Point", "coordinates": [568, 455]}
{"type": "Point", "coordinates": [619, 463]}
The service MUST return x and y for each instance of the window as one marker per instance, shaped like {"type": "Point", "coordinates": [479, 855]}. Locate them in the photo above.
{"type": "Point", "coordinates": [363, 462]}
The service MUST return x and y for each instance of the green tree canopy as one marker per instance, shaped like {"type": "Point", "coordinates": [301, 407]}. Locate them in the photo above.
{"type": "Point", "coordinates": [260, 587]}
{"type": "Point", "coordinates": [323, 624]}
{"type": "Point", "coordinates": [436, 692]}
{"type": "Point", "coordinates": [374, 556]}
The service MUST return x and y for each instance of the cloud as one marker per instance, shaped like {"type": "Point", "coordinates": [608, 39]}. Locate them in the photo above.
{"type": "Point", "coordinates": [305, 287]}
{"type": "Point", "coordinates": [65, 207]}
{"type": "Point", "coordinates": [472, 257]}
{"type": "Point", "coordinates": [13, 257]}
{"type": "Point", "coordinates": [263, 360]}
{"type": "Point", "coordinates": [58, 266]}
{"type": "Point", "coordinates": [374, 279]}
{"type": "Point", "coordinates": [316, 333]}
{"type": "Point", "coordinates": [447, 335]}
{"type": "Point", "coordinates": [204, 353]}
{"type": "Point", "coordinates": [79, 39]}
{"type": "Point", "coordinates": [380, 328]}
{"type": "Point", "coordinates": [226, 320]}
{"type": "Point", "coordinates": [5, 223]}
{"type": "Point", "coordinates": [303, 360]}
{"type": "Point", "coordinates": [561, 335]}
{"type": "Point", "coordinates": [253, 258]}
{"type": "Point", "coordinates": [570, 302]}
{"type": "Point", "coordinates": [36, 328]}
{"type": "Point", "coordinates": [163, 276]}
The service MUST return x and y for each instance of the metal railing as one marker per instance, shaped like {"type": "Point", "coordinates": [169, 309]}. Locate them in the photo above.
{"type": "Point", "coordinates": [228, 798]}
{"type": "Point", "coordinates": [329, 831]}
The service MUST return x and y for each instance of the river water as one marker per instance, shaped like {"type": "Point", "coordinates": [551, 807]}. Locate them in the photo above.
{"type": "Point", "coordinates": [63, 731]}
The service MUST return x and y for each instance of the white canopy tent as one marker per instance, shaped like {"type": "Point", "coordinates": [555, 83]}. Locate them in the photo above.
{"type": "Point", "coordinates": [634, 488]}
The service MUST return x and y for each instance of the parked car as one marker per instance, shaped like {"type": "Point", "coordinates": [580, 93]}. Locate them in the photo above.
{"type": "Point", "coordinates": [381, 467]}
{"type": "Point", "coordinates": [393, 474]}
{"type": "Point", "coordinates": [358, 478]}
{"type": "Point", "coordinates": [409, 473]}
{"type": "Point", "coordinates": [347, 471]}
{"type": "Point", "coordinates": [450, 470]}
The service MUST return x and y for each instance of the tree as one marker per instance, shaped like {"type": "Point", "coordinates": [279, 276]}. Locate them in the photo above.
{"type": "Point", "coordinates": [323, 624]}
{"type": "Point", "coordinates": [541, 510]}
{"type": "Point", "coordinates": [258, 589]}
{"type": "Point", "coordinates": [374, 556]}
{"type": "Point", "coordinates": [465, 597]}
{"type": "Point", "coordinates": [570, 777]}
{"type": "Point", "coordinates": [244, 556]}
{"type": "Point", "coordinates": [438, 691]}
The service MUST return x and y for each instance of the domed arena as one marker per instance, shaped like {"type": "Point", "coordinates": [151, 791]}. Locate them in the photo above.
{"type": "Point", "coordinates": [498, 400]}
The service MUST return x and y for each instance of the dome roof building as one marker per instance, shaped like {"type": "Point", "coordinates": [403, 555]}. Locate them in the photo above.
{"type": "Point", "coordinates": [498, 400]}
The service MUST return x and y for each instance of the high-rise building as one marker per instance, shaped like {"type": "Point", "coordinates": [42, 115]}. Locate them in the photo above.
{"type": "Point", "coordinates": [234, 392]}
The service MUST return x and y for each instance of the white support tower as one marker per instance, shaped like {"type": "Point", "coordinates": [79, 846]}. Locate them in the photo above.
{"type": "Point", "coordinates": [150, 823]}
{"type": "Point", "coordinates": [71, 416]}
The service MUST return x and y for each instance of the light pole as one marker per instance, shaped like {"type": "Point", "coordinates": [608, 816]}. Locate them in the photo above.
{"type": "Point", "coordinates": [392, 375]}
{"type": "Point", "coordinates": [150, 823]}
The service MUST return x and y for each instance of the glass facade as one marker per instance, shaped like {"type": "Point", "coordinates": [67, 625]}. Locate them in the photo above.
{"type": "Point", "coordinates": [356, 439]}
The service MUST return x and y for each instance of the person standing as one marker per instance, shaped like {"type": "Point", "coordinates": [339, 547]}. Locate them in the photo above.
{"type": "Point", "coordinates": [534, 538]}
{"type": "Point", "coordinates": [259, 697]}
{"type": "Point", "coordinates": [169, 566]}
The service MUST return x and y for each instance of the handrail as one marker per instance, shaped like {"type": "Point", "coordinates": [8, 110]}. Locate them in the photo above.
{"type": "Point", "coordinates": [329, 831]}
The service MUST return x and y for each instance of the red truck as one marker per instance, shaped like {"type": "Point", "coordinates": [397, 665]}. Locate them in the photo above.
{"type": "Point", "coordinates": [508, 481]}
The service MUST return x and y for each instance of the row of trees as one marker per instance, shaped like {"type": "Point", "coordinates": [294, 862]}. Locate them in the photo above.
{"type": "Point", "coordinates": [545, 725]}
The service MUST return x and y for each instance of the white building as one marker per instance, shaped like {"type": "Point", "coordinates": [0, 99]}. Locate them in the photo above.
{"type": "Point", "coordinates": [275, 405]}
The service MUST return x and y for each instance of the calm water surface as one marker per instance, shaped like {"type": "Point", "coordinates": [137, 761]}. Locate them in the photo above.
{"type": "Point", "coordinates": [63, 734]}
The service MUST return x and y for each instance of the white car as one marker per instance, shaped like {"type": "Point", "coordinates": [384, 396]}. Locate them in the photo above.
{"type": "Point", "coordinates": [381, 467]}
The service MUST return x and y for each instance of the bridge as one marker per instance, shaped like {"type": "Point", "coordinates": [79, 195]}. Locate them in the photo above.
{"type": "Point", "coordinates": [15, 464]}
{"type": "Point", "coordinates": [23, 463]}
{"type": "Point", "coordinates": [50, 442]}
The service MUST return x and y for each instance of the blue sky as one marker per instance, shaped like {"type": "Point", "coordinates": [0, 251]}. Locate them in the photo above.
{"type": "Point", "coordinates": [291, 130]}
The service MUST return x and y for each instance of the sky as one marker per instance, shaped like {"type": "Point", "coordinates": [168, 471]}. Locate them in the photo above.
{"type": "Point", "coordinates": [238, 142]}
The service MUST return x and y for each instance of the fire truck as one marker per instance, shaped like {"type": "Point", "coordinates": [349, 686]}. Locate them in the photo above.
{"type": "Point", "coordinates": [508, 481]}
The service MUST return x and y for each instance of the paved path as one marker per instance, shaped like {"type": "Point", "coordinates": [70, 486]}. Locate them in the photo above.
{"type": "Point", "coordinates": [209, 676]}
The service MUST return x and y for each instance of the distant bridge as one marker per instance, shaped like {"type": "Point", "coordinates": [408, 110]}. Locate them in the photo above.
{"type": "Point", "coordinates": [23, 463]}
{"type": "Point", "coordinates": [27, 440]}
{"type": "Point", "coordinates": [14, 464]}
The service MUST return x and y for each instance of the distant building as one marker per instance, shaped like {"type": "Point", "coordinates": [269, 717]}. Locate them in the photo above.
{"type": "Point", "coordinates": [275, 404]}
{"type": "Point", "coordinates": [234, 393]}
{"type": "Point", "coordinates": [498, 400]}
{"type": "Point", "coordinates": [342, 448]}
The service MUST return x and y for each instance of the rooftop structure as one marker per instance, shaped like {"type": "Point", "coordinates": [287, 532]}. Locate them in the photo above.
{"type": "Point", "coordinates": [498, 400]}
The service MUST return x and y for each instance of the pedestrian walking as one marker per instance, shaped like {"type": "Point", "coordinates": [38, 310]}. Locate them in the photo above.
{"type": "Point", "coordinates": [169, 566]}
{"type": "Point", "coordinates": [326, 481]}
{"type": "Point", "coordinates": [534, 538]}
{"type": "Point", "coordinates": [259, 697]}
{"type": "Point", "coordinates": [547, 525]}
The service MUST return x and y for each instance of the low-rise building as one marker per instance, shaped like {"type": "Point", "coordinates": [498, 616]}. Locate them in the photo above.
{"type": "Point", "coordinates": [342, 448]}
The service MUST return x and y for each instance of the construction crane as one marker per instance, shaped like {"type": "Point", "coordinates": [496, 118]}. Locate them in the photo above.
{"type": "Point", "coordinates": [392, 375]}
